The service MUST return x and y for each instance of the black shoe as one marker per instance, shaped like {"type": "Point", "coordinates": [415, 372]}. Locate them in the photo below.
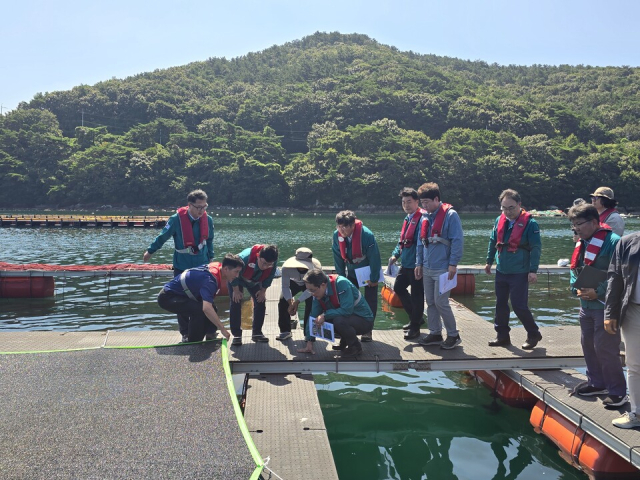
{"type": "Point", "coordinates": [352, 351]}
{"type": "Point", "coordinates": [367, 337]}
{"type": "Point", "coordinates": [531, 342]}
{"type": "Point", "coordinates": [615, 401]}
{"type": "Point", "coordinates": [236, 342]}
{"type": "Point", "coordinates": [431, 339]}
{"type": "Point", "coordinates": [411, 334]}
{"type": "Point", "coordinates": [408, 325]}
{"type": "Point", "coordinates": [587, 390]}
{"type": "Point", "coordinates": [500, 342]}
{"type": "Point", "coordinates": [259, 338]}
{"type": "Point", "coordinates": [451, 342]}
{"type": "Point", "coordinates": [339, 346]}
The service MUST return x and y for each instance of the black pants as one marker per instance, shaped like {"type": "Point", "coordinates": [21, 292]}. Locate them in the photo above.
{"type": "Point", "coordinates": [197, 322]}
{"type": "Point", "coordinates": [284, 319]}
{"type": "Point", "coordinates": [235, 312]}
{"type": "Point", "coordinates": [349, 327]}
{"type": "Point", "coordinates": [413, 303]}
{"type": "Point", "coordinates": [370, 295]}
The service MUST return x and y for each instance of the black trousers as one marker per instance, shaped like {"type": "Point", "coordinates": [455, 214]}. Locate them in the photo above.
{"type": "Point", "coordinates": [413, 303]}
{"type": "Point", "coordinates": [370, 295]}
{"type": "Point", "coordinates": [197, 322]}
{"type": "Point", "coordinates": [284, 319]}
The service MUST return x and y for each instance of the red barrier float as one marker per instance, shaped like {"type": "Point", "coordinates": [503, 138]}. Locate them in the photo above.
{"type": "Point", "coordinates": [26, 287]}
{"type": "Point", "coordinates": [466, 284]}
{"type": "Point", "coordinates": [505, 388]}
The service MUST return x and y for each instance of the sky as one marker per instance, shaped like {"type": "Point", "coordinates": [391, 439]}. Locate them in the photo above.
{"type": "Point", "coordinates": [55, 45]}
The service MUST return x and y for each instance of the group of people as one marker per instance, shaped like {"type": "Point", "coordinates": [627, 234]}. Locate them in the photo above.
{"type": "Point", "coordinates": [431, 244]}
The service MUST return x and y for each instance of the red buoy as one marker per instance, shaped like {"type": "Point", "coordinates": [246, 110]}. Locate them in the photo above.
{"type": "Point", "coordinates": [466, 284]}
{"type": "Point", "coordinates": [26, 287]}
{"type": "Point", "coordinates": [389, 296]}
{"type": "Point", "coordinates": [505, 388]}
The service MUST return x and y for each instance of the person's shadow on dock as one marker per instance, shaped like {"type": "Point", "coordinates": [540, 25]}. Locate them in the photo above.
{"type": "Point", "coordinates": [197, 352]}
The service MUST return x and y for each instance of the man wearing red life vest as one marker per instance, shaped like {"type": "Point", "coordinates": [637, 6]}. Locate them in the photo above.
{"type": "Point", "coordinates": [516, 247]}
{"type": "Point", "coordinates": [601, 350]}
{"type": "Point", "coordinates": [192, 293]}
{"type": "Point", "coordinates": [192, 232]}
{"type": "Point", "coordinates": [257, 275]}
{"type": "Point", "coordinates": [604, 202]}
{"type": "Point", "coordinates": [439, 251]}
{"type": "Point", "coordinates": [354, 246]}
{"type": "Point", "coordinates": [413, 303]}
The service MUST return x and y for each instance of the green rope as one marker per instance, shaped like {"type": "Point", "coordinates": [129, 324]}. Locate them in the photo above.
{"type": "Point", "coordinates": [51, 351]}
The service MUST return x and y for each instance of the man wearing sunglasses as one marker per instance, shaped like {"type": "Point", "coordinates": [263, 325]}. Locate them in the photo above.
{"type": "Point", "coordinates": [604, 202]}
{"type": "Point", "coordinates": [192, 232]}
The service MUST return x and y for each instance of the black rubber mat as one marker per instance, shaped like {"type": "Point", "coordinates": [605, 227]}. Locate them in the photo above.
{"type": "Point", "coordinates": [120, 414]}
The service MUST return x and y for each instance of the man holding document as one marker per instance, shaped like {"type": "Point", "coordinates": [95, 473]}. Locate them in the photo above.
{"type": "Point", "coordinates": [438, 254]}
{"type": "Point", "coordinates": [338, 301]}
{"type": "Point", "coordinates": [591, 256]}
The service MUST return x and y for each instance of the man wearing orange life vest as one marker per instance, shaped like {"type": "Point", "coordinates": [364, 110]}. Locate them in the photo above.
{"type": "Point", "coordinates": [439, 251]}
{"type": "Point", "coordinates": [192, 232]}
{"type": "Point", "coordinates": [601, 350]}
{"type": "Point", "coordinates": [413, 303]}
{"type": "Point", "coordinates": [257, 275]}
{"type": "Point", "coordinates": [354, 246]}
{"type": "Point", "coordinates": [516, 247]}
{"type": "Point", "coordinates": [604, 202]}
{"type": "Point", "coordinates": [192, 293]}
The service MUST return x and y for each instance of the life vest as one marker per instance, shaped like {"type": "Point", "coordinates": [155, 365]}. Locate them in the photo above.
{"type": "Point", "coordinates": [436, 228]}
{"type": "Point", "coordinates": [214, 269]}
{"type": "Point", "coordinates": [516, 233]}
{"type": "Point", "coordinates": [356, 245]}
{"type": "Point", "coordinates": [593, 249]}
{"type": "Point", "coordinates": [335, 301]}
{"type": "Point", "coordinates": [605, 215]}
{"type": "Point", "coordinates": [186, 228]}
{"type": "Point", "coordinates": [253, 261]}
{"type": "Point", "coordinates": [409, 229]}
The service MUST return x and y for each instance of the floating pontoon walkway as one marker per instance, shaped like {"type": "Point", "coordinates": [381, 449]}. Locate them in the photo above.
{"type": "Point", "coordinates": [82, 221]}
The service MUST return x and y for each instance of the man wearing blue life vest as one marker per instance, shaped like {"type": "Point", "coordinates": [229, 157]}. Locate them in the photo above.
{"type": "Point", "coordinates": [515, 246]}
{"type": "Point", "coordinates": [354, 246]}
{"type": "Point", "coordinates": [439, 251]}
{"type": "Point", "coordinates": [337, 300]}
{"type": "Point", "coordinates": [413, 303]}
{"type": "Point", "coordinates": [597, 245]}
{"type": "Point", "coordinates": [192, 232]}
{"type": "Point", "coordinates": [192, 293]}
{"type": "Point", "coordinates": [256, 276]}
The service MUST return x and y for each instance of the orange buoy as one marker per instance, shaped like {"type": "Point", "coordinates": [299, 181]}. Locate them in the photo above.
{"type": "Point", "coordinates": [505, 388]}
{"type": "Point", "coordinates": [389, 296]}
{"type": "Point", "coordinates": [466, 284]}
{"type": "Point", "coordinates": [578, 447]}
{"type": "Point", "coordinates": [27, 287]}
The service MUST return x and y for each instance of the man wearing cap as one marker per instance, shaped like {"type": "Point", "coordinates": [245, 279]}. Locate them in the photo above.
{"type": "Point", "coordinates": [192, 232]}
{"type": "Point", "coordinates": [256, 276]}
{"type": "Point", "coordinates": [515, 245]}
{"type": "Point", "coordinates": [293, 270]}
{"type": "Point", "coordinates": [605, 203]}
{"type": "Point", "coordinates": [191, 294]}
{"type": "Point", "coordinates": [413, 303]}
{"type": "Point", "coordinates": [354, 246]}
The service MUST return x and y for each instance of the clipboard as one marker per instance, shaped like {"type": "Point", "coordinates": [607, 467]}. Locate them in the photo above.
{"type": "Point", "coordinates": [590, 277]}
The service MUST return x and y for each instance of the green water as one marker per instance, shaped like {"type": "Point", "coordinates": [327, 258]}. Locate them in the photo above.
{"type": "Point", "coordinates": [392, 426]}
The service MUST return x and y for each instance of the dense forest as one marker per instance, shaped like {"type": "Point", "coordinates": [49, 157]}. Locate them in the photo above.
{"type": "Point", "coordinates": [328, 119]}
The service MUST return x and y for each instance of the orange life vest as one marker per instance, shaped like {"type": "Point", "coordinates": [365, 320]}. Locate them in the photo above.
{"type": "Point", "coordinates": [436, 229]}
{"type": "Point", "coordinates": [516, 233]}
{"type": "Point", "coordinates": [356, 245]}
{"type": "Point", "coordinates": [187, 231]}
{"type": "Point", "coordinates": [409, 229]}
{"type": "Point", "coordinates": [335, 301]}
{"type": "Point", "coordinates": [251, 265]}
{"type": "Point", "coordinates": [214, 269]}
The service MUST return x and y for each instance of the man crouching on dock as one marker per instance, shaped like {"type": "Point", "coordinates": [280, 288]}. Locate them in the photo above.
{"type": "Point", "coordinates": [192, 293]}
{"type": "Point", "coordinates": [336, 300]}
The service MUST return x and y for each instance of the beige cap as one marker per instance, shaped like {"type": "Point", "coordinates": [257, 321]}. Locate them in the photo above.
{"type": "Point", "coordinates": [603, 192]}
{"type": "Point", "coordinates": [303, 259]}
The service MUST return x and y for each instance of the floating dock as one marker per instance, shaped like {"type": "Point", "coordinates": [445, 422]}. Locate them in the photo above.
{"type": "Point", "coordinates": [83, 221]}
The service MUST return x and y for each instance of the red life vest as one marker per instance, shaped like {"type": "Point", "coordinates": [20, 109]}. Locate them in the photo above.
{"type": "Point", "coordinates": [214, 269]}
{"type": "Point", "coordinates": [605, 215]}
{"type": "Point", "coordinates": [516, 233]}
{"type": "Point", "coordinates": [356, 245]}
{"type": "Point", "coordinates": [187, 231]}
{"type": "Point", "coordinates": [335, 301]}
{"type": "Point", "coordinates": [251, 265]}
{"type": "Point", "coordinates": [409, 229]}
{"type": "Point", "coordinates": [436, 229]}
{"type": "Point", "coordinates": [593, 249]}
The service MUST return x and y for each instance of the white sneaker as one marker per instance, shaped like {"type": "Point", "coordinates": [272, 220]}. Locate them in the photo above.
{"type": "Point", "coordinates": [627, 420]}
{"type": "Point", "coordinates": [185, 339]}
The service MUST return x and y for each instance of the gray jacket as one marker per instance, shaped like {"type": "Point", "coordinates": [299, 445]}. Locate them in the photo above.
{"type": "Point", "coordinates": [623, 276]}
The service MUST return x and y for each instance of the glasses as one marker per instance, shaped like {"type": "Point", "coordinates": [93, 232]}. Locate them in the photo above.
{"type": "Point", "coordinates": [577, 225]}
{"type": "Point", "coordinates": [509, 209]}
{"type": "Point", "coordinates": [199, 207]}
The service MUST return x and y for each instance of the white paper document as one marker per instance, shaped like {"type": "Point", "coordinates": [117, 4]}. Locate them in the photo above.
{"type": "Point", "coordinates": [324, 331]}
{"type": "Point", "coordinates": [392, 270]}
{"type": "Point", "coordinates": [444, 284]}
{"type": "Point", "coordinates": [363, 275]}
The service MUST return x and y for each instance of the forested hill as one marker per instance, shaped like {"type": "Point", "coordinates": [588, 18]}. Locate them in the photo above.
{"type": "Point", "coordinates": [329, 119]}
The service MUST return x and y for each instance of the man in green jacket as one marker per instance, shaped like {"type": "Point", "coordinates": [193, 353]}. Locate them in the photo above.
{"type": "Point", "coordinates": [192, 232]}
{"type": "Point", "coordinates": [601, 350]}
{"type": "Point", "coordinates": [515, 245]}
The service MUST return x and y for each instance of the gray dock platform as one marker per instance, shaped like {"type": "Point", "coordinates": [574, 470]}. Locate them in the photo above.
{"type": "Point", "coordinates": [125, 413]}
{"type": "Point", "coordinates": [285, 420]}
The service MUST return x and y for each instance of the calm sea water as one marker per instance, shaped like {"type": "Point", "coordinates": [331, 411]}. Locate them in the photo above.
{"type": "Point", "coordinates": [391, 426]}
